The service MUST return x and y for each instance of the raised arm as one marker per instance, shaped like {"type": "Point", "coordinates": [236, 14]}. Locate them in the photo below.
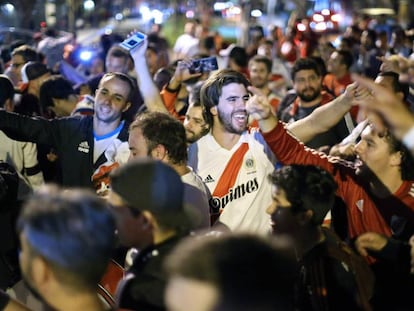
{"type": "Point", "coordinates": [147, 87]}
{"type": "Point", "coordinates": [399, 118]}
{"type": "Point", "coordinates": [259, 108]}
{"type": "Point", "coordinates": [325, 117]}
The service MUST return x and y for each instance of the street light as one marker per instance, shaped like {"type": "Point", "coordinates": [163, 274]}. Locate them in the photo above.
{"type": "Point", "coordinates": [89, 5]}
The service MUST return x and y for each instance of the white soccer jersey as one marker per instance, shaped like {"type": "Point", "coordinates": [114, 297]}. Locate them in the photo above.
{"type": "Point", "coordinates": [243, 208]}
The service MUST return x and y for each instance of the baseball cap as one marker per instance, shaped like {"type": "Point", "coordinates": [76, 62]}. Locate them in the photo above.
{"type": "Point", "coordinates": [151, 185]}
{"type": "Point", "coordinates": [33, 70]}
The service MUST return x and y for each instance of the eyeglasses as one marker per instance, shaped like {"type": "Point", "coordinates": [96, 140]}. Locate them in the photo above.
{"type": "Point", "coordinates": [17, 65]}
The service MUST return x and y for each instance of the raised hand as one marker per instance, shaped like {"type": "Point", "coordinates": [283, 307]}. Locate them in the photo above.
{"type": "Point", "coordinates": [388, 105]}
{"type": "Point", "coordinates": [259, 108]}
{"type": "Point", "coordinates": [370, 241]}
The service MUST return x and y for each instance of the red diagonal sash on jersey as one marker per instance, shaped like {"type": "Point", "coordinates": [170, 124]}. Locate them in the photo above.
{"type": "Point", "coordinates": [229, 175]}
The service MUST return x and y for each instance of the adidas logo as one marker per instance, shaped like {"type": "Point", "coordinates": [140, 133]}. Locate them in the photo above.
{"type": "Point", "coordinates": [209, 179]}
{"type": "Point", "coordinates": [83, 147]}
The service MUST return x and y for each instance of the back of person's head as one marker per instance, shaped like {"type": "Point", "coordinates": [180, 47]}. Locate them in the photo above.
{"type": "Point", "coordinates": [159, 128]}
{"type": "Point", "coordinates": [208, 43]}
{"type": "Point", "coordinates": [27, 52]}
{"type": "Point", "coordinates": [371, 35]}
{"type": "Point", "coordinates": [162, 76]}
{"type": "Point", "coordinates": [6, 90]}
{"type": "Point", "coordinates": [246, 272]}
{"type": "Point", "coordinates": [56, 87]}
{"type": "Point", "coordinates": [239, 56]}
{"type": "Point", "coordinates": [346, 58]}
{"type": "Point", "coordinates": [346, 43]}
{"type": "Point", "coordinates": [153, 186]}
{"type": "Point", "coordinates": [305, 64]}
{"type": "Point", "coordinates": [213, 86]}
{"type": "Point", "coordinates": [307, 187]}
{"type": "Point", "coordinates": [262, 59]}
{"type": "Point", "coordinates": [51, 32]}
{"type": "Point", "coordinates": [72, 232]}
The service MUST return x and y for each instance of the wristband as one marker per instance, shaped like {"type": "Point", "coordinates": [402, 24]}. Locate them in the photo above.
{"type": "Point", "coordinates": [408, 139]}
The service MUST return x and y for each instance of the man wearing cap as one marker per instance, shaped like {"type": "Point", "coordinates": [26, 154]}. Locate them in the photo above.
{"type": "Point", "coordinates": [80, 142]}
{"type": "Point", "coordinates": [20, 56]}
{"type": "Point", "coordinates": [33, 75]}
{"type": "Point", "coordinates": [147, 200]}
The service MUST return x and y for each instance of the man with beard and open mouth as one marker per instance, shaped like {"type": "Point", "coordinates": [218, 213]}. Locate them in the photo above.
{"type": "Point", "coordinates": [307, 96]}
{"type": "Point", "coordinates": [233, 161]}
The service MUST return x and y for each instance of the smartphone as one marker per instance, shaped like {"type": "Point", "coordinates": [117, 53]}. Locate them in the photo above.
{"type": "Point", "coordinates": [133, 41]}
{"type": "Point", "coordinates": [202, 65]}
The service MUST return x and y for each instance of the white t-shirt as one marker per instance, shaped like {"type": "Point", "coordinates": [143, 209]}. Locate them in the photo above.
{"type": "Point", "coordinates": [243, 208]}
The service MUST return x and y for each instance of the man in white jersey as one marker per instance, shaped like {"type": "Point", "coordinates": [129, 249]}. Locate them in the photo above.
{"type": "Point", "coordinates": [233, 161]}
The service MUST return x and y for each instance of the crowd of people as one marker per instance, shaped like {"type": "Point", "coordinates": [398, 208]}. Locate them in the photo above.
{"type": "Point", "coordinates": [281, 181]}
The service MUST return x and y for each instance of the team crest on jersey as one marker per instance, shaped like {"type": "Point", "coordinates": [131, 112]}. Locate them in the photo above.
{"type": "Point", "coordinates": [250, 164]}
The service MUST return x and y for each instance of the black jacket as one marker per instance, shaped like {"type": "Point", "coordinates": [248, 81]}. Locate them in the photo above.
{"type": "Point", "coordinates": [72, 137]}
{"type": "Point", "coordinates": [144, 285]}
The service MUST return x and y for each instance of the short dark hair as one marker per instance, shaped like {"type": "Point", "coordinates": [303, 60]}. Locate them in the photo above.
{"type": "Point", "coordinates": [249, 272]}
{"type": "Point", "coordinates": [28, 53]}
{"type": "Point", "coordinates": [397, 86]}
{"type": "Point", "coordinates": [307, 187]}
{"type": "Point", "coordinates": [305, 64]}
{"type": "Point", "coordinates": [73, 231]}
{"type": "Point", "coordinates": [407, 160]}
{"type": "Point", "coordinates": [264, 60]}
{"type": "Point", "coordinates": [239, 55]}
{"type": "Point", "coordinates": [118, 52]}
{"type": "Point", "coordinates": [133, 88]}
{"type": "Point", "coordinates": [54, 87]}
{"type": "Point", "coordinates": [159, 128]}
{"type": "Point", "coordinates": [6, 90]}
{"type": "Point", "coordinates": [346, 58]}
{"type": "Point", "coordinates": [212, 89]}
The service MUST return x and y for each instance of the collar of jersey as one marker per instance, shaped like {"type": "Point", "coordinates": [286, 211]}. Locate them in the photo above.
{"type": "Point", "coordinates": [115, 131]}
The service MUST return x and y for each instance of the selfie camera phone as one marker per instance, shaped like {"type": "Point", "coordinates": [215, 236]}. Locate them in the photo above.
{"type": "Point", "coordinates": [133, 41]}
{"type": "Point", "coordinates": [203, 65]}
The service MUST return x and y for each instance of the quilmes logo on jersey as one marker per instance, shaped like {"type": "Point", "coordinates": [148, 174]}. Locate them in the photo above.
{"type": "Point", "coordinates": [216, 203]}
{"type": "Point", "coordinates": [83, 147]}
